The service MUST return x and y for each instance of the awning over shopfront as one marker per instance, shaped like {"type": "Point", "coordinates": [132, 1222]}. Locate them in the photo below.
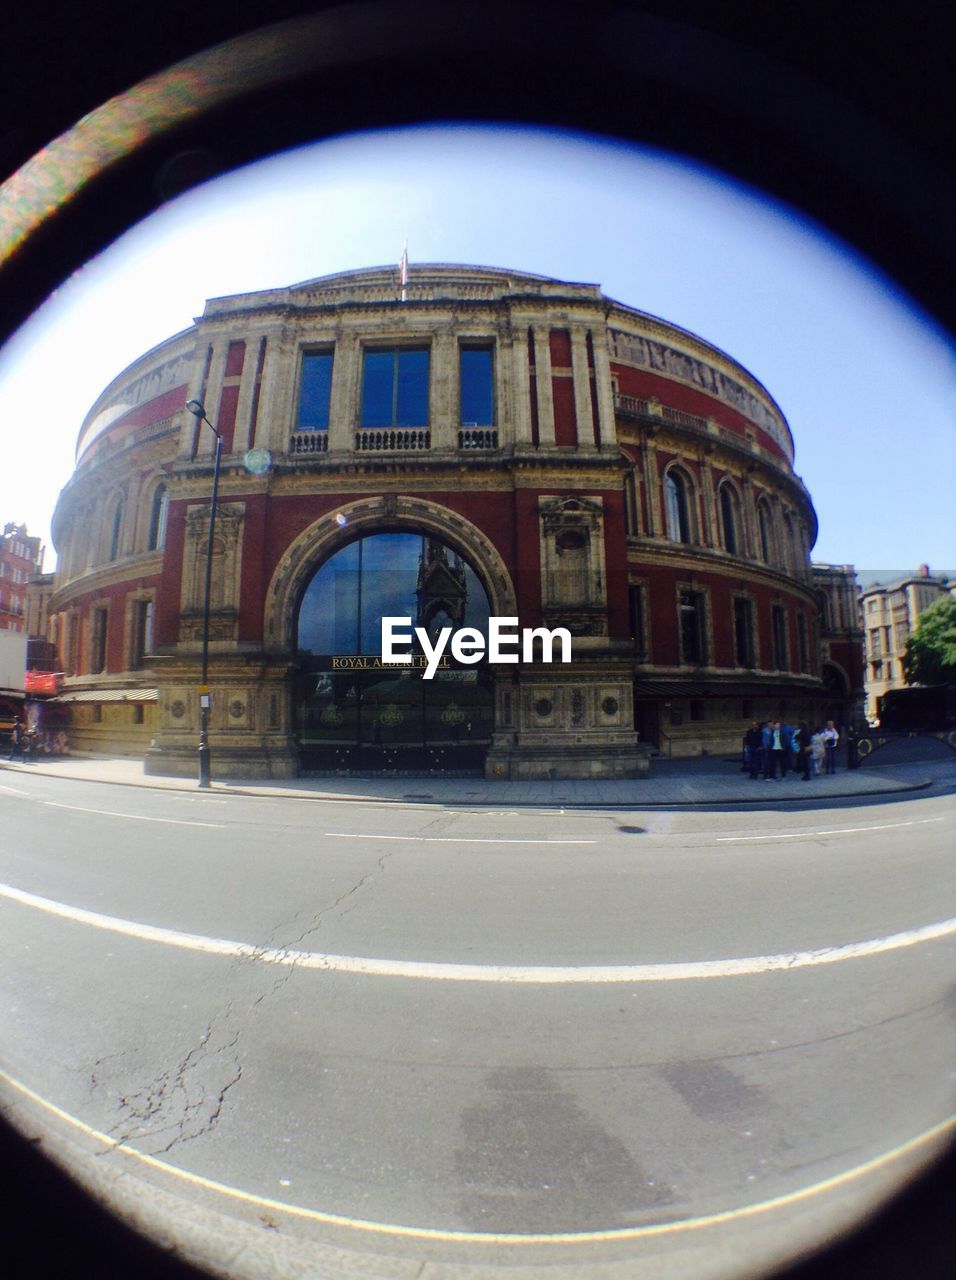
{"type": "Point", "coordinates": [108, 695]}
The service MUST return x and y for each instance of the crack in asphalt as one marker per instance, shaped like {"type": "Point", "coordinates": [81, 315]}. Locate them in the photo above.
{"type": "Point", "coordinates": [290, 947]}
{"type": "Point", "coordinates": [186, 1101]}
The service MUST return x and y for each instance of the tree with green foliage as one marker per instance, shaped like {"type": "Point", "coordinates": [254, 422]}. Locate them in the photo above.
{"type": "Point", "coordinates": [930, 656]}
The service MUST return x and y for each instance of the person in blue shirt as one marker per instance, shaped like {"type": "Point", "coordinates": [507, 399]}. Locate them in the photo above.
{"type": "Point", "coordinates": [775, 750]}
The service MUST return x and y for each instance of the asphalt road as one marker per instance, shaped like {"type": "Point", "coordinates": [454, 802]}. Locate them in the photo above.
{"type": "Point", "coordinates": [672, 1042]}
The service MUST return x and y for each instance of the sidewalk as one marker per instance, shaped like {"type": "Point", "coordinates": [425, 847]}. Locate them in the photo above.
{"type": "Point", "coordinates": [703, 782]}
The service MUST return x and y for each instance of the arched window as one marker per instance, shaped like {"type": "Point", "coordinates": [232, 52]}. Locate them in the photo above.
{"type": "Point", "coordinates": [730, 519]}
{"type": "Point", "coordinates": [677, 506]}
{"type": "Point", "coordinates": [116, 529]}
{"type": "Point", "coordinates": [766, 538]}
{"type": "Point", "coordinates": [157, 519]}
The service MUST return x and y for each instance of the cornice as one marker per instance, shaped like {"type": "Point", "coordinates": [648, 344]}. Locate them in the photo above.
{"type": "Point", "coordinates": [113, 574]}
{"type": "Point", "coordinates": [694, 559]}
{"type": "Point", "coordinates": [495, 470]}
{"type": "Point", "coordinates": [692, 344]}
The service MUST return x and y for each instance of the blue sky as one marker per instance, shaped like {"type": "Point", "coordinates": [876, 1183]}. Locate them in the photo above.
{"type": "Point", "coordinates": [866, 381]}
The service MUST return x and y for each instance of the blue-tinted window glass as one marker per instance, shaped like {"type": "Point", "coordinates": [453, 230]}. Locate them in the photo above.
{"type": "Point", "coordinates": [411, 398]}
{"type": "Point", "coordinates": [378, 376]}
{"type": "Point", "coordinates": [395, 388]}
{"type": "Point", "coordinates": [315, 391]}
{"type": "Point", "coordinates": [477, 394]}
{"type": "Point", "coordinates": [343, 606]}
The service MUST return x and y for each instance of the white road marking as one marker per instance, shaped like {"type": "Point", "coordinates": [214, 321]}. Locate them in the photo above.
{"type": "Point", "coordinates": [135, 817]}
{"type": "Point", "coordinates": [830, 831]}
{"type": "Point", "coordinates": [125, 1151]}
{"type": "Point", "coordinates": [358, 835]}
{"type": "Point", "coordinates": [14, 791]}
{"type": "Point", "coordinates": [449, 972]}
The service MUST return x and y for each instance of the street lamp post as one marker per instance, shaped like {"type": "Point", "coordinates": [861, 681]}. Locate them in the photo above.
{"type": "Point", "coordinates": [197, 409]}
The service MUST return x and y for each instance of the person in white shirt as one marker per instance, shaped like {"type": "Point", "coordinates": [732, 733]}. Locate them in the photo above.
{"type": "Point", "coordinates": [830, 739]}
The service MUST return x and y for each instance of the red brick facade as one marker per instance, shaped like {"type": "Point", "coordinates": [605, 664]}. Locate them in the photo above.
{"type": "Point", "coordinates": [636, 486]}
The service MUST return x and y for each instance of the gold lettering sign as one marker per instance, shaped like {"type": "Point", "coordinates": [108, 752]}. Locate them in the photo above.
{"type": "Point", "coordinates": [368, 662]}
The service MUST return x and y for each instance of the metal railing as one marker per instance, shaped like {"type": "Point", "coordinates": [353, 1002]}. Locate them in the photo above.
{"type": "Point", "coordinates": [309, 442]}
{"type": "Point", "coordinates": [683, 419]}
{"type": "Point", "coordinates": [478, 438]}
{"type": "Point", "coordinates": [635, 406]}
{"type": "Point", "coordinates": [631, 405]}
{"type": "Point", "coordinates": [397, 439]}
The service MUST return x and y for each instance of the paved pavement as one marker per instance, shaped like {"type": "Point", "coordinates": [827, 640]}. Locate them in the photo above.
{"type": "Point", "coordinates": [705, 782]}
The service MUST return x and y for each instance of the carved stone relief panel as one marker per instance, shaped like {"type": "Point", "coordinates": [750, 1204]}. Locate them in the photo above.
{"type": "Point", "coordinates": [226, 572]}
{"type": "Point", "coordinates": [573, 578]}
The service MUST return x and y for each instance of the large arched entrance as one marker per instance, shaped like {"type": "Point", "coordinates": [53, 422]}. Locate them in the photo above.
{"type": "Point", "coordinates": [352, 711]}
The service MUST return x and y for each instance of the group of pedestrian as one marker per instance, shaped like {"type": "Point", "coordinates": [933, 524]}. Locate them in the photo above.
{"type": "Point", "coordinates": [27, 742]}
{"type": "Point", "coordinates": [772, 748]}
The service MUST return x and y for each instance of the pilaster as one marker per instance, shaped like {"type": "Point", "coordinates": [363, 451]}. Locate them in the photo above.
{"type": "Point", "coordinates": [521, 391]}
{"type": "Point", "coordinates": [444, 408]}
{"type": "Point", "coordinates": [206, 441]}
{"type": "Point", "coordinates": [247, 381]}
{"type": "Point", "coordinates": [604, 390]}
{"type": "Point", "coordinates": [344, 384]}
{"type": "Point", "coordinates": [583, 411]}
{"type": "Point", "coordinates": [652, 486]}
{"type": "Point", "coordinates": [542, 370]}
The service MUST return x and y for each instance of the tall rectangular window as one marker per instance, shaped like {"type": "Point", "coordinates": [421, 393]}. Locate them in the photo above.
{"type": "Point", "coordinates": [98, 641]}
{"type": "Point", "coordinates": [395, 388]}
{"type": "Point", "coordinates": [778, 627]}
{"type": "Point", "coordinates": [692, 628]}
{"type": "Point", "coordinates": [744, 631]}
{"type": "Point", "coordinates": [315, 391]}
{"type": "Point", "coordinates": [802, 641]}
{"type": "Point", "coordinates": [142, 638]}
{"type": "Point", "coordinates": [476, 381]}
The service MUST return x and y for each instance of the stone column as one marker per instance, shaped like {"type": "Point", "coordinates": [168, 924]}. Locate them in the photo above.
{"type": "Point", "coordinates": [583, 411]}
{"type": "Point", "coordinates": [521, 390]}
{"type": "Point", "coordinates": [711, 537]}
{"type": "Point", "coordinates": [749, 516]}
{"type": "Point", "coordinates": [652, 486]}
{"type": "Point", "coordinates": [188, 425]}
{"type": "Point", "coordinates": [247, 384]}
{"type": "Point", "coordinates": [604, 389]}
{"type": "Point", "coordinates": [343, 400]}
{"type": "Point", "coordinates": [444, 399]}
{"type": "Point", "coordinates": [505, 390]}
{"type": "Point", "coordinates": [206, 441]}
{"type": "Point", "coordinates": [279, 390]}
{"type": "Point", "coordinates": [542, 363]}
{"type": "Point", "coordinates": [780, 550]}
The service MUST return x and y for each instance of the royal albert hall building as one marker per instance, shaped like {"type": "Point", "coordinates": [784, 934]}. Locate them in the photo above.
{"type": "Point", "coordinates": [476, 442]}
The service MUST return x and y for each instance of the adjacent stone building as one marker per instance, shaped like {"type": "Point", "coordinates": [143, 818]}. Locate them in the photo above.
{"type": "Point", "coordinates": [890, 613]}
{"type": "Point", "coordinates": [20, 557]}
{"type": "Point", "coordinates": [474, 442]}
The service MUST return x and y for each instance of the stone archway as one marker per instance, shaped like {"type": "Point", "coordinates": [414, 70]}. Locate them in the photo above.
{"type": "Point", "coordinates": [373, 515]}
